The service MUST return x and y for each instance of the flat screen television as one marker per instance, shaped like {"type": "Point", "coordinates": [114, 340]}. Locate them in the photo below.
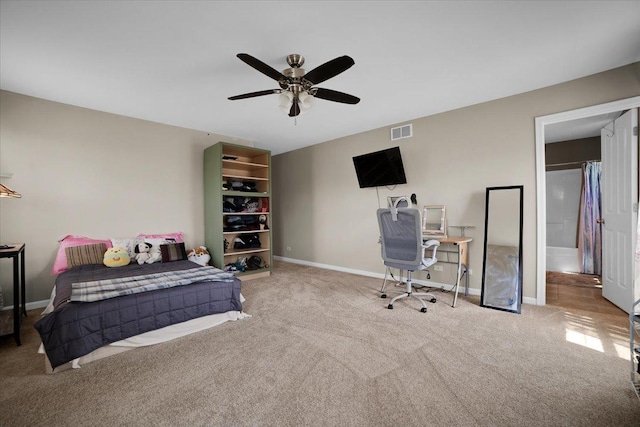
{"type": "Point", "coordinates": [380, 168]}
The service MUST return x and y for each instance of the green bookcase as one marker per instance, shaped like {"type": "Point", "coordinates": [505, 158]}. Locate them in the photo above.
{"type": "Point", "coordinates": [247, 171]}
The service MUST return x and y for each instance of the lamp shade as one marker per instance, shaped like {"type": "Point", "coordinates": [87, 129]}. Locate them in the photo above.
{"type": "Point", "coordinates": [286, 99]}
{"type": "Point", "coordinates": [306, 101]}
{"type": "Point", "coordinates": [7, 192]}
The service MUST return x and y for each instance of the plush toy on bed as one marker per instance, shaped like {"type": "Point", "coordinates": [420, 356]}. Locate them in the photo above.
{"type": "Point", "coordinates": [116, 257]}
{"type": "Point", "coordinates": [199, 256]}
{"type": "Point", "coordinates": [146, 252]}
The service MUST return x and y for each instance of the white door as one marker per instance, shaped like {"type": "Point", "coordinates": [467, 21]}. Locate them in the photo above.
{"type": "Point", "coordinates": [619, 208]}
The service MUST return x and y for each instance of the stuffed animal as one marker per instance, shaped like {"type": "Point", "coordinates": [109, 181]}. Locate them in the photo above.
{"type": "Point", "coordinates": [142, 252]}
{"type": "Point", "coordinates": [146, 252]}
{"type": "Point", "coordinates": [116, 257]}
{"type": "Point", "coordinates": [199, 256]}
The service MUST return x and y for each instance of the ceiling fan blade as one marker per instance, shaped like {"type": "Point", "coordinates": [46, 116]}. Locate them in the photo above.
{"type": "Point", "coordinates": [329, 69]}
{"type": "Point", "coordinates": [254, 94]}
{"type": "Point", "coordinates": [261, 66]}
{"type": "Point", "coordinates": [334, 95]}
{"type": "Point", "coordinates": [295, 109]}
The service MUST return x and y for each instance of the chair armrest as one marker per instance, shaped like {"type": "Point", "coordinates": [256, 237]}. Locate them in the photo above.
{"type": "Point", "coordinates": [430, 243]}
{"type": "Point", "coordinates": [433, 243]}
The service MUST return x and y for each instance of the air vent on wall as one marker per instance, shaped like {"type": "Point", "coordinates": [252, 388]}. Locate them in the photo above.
{"type": "Point", "coordinates": [400, 132]}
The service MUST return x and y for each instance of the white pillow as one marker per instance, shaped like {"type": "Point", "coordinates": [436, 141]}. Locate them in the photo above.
{"type": "Point", "coordinates": [128, 243]}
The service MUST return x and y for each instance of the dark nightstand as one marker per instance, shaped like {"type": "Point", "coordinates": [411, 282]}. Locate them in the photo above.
{"type": "Point", "coordinates": [16, 251]}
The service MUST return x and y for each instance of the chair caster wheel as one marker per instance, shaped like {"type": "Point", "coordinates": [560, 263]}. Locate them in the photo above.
{"type": "Point", "coordinates": [390, 306]}
{"type": "Point", "coordinates": [433, 300]}
{"type": "Point", "coordinates": [383, 296]}
{"type": "Point", "coordinates": [423, 310]}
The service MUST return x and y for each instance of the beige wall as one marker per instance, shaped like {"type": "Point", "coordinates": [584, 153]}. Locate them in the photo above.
{"type": "Point", "coordinates": [324, 217]}
{"type": "Point", "coordinates": [571, 154]}
{"type": "Point", "coordinates": [94, 174]}
{"type": "Point", "coordinates": [101, 175]}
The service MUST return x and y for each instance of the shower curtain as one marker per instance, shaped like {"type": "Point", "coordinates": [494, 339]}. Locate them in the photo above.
{"type": "Point", "coordinates": [589, 234]}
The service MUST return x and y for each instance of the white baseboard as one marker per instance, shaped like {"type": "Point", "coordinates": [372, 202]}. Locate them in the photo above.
{"type": "Point", "coordinates": [31, 305]}
{"type": "Point", "coordinates": [430, 283]}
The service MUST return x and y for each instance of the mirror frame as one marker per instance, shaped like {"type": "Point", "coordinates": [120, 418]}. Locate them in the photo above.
{"type": "Point", "coordinates": [442, 232]}
{"type": "Point", "coordinates": [484, 256]}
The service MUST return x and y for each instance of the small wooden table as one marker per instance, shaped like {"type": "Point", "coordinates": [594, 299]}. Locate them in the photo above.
{"type": "Point", "coordinates": [17, 251]}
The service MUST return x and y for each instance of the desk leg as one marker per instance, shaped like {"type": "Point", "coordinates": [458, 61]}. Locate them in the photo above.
{"type": "Point", "coordinates": [16, 301]}
{"type": "Point", "coordinates": [458, 275]}
{"type": "Point", "coordinates": [22, 284]}
{"type": "Point", "coordinates": [466, 280]}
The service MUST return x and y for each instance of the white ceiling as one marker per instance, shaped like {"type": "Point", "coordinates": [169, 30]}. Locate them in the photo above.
{"type": "Point", "coordinates": [579, 128]}
{"type": "Point", "coordinates": [174, 62]}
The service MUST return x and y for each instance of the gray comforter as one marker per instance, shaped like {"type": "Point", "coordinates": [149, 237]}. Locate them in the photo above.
{"type": "Point", "coordinates": [75, 329]}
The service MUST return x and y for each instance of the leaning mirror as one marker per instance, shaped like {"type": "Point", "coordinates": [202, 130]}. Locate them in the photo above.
{"type": "Point", "coordinates": [502, 261]}
{"type": "Point", "coordinates": [434, 221]}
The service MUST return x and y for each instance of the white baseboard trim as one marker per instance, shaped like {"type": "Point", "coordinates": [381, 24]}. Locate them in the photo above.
{"type": "Point", "coordinates": [472, 291]}
{"type": "Point", "coordinates": [380, 276]}
{"type": "Point", "coordinates": [330, 267]}
{"type": "Point", "coordinates": [31, 305]}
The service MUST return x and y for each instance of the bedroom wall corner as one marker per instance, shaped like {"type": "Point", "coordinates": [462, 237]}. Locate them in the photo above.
{"type": "Point", "coordinates": [95, 174]}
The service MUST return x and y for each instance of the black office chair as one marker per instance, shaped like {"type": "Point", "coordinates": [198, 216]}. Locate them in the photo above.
{"type": "Point", "coordinates": [403, 248]}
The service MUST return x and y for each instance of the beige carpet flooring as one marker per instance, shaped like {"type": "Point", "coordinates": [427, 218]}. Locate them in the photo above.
{"type": "Point", "coordinates": [322, 350]}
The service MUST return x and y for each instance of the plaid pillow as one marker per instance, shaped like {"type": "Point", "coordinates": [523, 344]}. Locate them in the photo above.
{"type": "Point", "coordinates": [173, 252]}
{"type": "Point", "coordinates": [85, 254]}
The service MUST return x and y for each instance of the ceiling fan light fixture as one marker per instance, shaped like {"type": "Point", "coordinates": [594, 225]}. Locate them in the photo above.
{"type": "Point", "coordinates": [286, 99]}
{"type": "Point", "coordinates": [297, 87]}
{"type": "Point", "coordinates": [305, 100]}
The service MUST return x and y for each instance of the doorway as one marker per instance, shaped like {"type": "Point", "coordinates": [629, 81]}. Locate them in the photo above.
{"type": "Point", "coordinates": [573, 159]}
{"type": "Point", "coordinates": [542, 125]}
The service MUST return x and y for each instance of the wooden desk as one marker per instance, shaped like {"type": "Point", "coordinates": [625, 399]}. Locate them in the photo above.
{"type": "Point", "coordinates": [15, 252]}
{"type": "Point", "coordinates": [461, 244]}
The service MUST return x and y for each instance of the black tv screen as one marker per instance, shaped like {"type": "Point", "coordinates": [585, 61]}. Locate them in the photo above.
{"type": "Point", "coordinates": [380, 168]}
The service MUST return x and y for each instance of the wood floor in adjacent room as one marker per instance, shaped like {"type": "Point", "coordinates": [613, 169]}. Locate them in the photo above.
{"type": "Point", "coordinates": [579, 291]}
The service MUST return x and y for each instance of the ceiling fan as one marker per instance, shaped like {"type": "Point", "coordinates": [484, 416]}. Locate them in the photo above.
{"type": "Point", "coordinates": [297, 86]}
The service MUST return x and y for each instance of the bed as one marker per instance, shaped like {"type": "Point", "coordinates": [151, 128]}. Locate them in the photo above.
{"type": "Point", "coordinates": [74, 330]}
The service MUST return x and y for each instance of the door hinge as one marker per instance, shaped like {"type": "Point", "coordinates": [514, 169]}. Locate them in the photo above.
{"type": "Point", "coordinates": [635, 207]}
{"type": "Point", "coordinates": [635, 131]}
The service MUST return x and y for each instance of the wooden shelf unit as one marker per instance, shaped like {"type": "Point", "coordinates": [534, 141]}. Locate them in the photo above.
{"type": "Point", "coordinates": [226, 163]}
